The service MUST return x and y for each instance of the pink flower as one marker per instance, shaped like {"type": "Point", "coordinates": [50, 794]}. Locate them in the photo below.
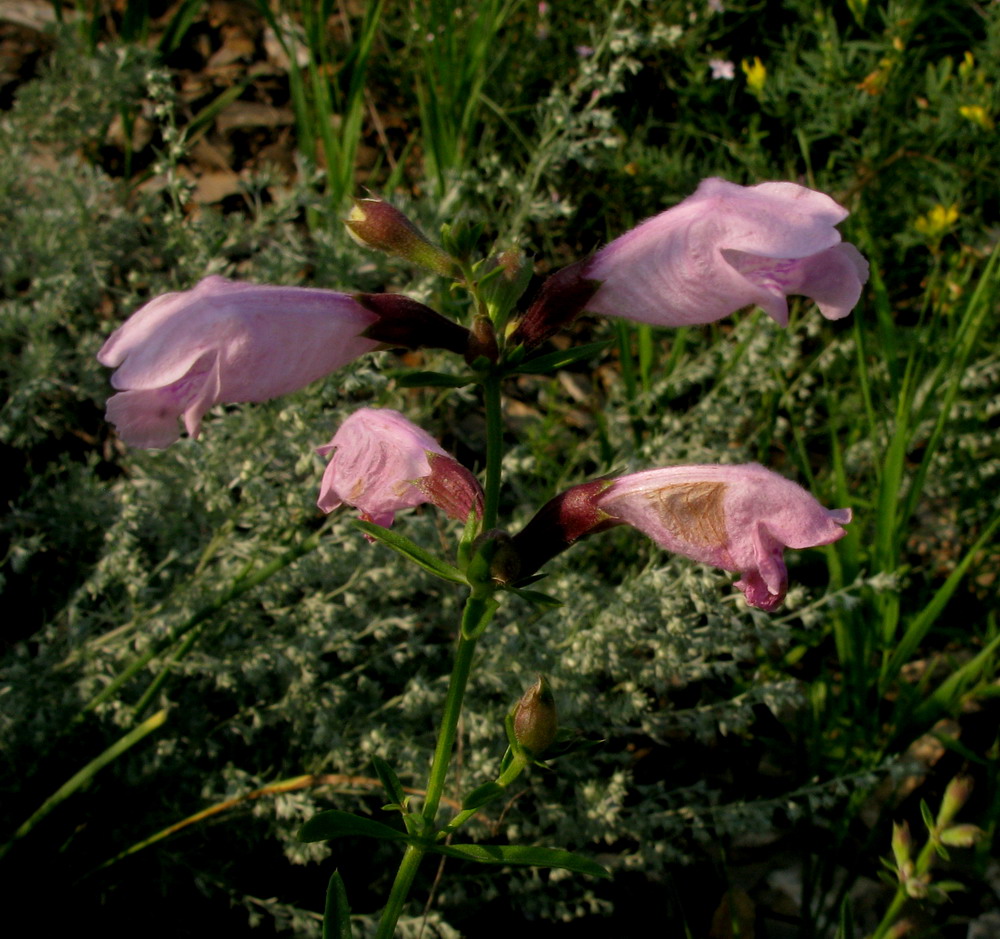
{"type": "Point", "coordinates": [182, 353]}
{"type": "Point", "coordinates": [381, 463]}
{"type": "Point", "coordinates": [727, 247]}
{"type": "Point", "coordinates": [739, 518]}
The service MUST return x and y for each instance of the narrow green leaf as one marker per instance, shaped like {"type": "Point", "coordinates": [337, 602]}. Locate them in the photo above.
{"type": "Point", "coordinates": [571, 742]}
{"type": "Point", "coordinates": [178, 27]}
{"type": "Point", "coordinates": [522, 855]}
{"type": "Point", "coordinates": [413, 551]}
{"type": "Point", "coordinates": [928, 817]}
{"type": "Point", "coordinates": [923, 621]}
{"type": "Point", "coordinates": [336, 824]}
{"type": "Point", "coordinates": [483, 795]}
{"type": "Point", "coordinates": [337, 913]}
{"type": "Point", "coordinates": [390, 781]}
{"type": "Point", "coordinates": [432, 380]}
{"type": "Point", "coordinates": [945, 696]}
{"type": "Point", "coordinates": [845, 929]}
{"type": "Point", "coordinates": [87, 773]}
{"type": "Point", "coordinates": [951, 886]}
{"type": "Point", "coordinates": [544, 601]}
{"type": "Point", "coordinates": [552, 361]}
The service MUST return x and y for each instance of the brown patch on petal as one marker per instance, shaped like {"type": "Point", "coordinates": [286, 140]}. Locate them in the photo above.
{"type": "Point", "coordinates": [692, 512]}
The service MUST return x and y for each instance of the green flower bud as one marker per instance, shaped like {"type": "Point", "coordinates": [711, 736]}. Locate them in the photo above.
{"type": "Point", "coordinates": [961, 836]}
{"type": "Point", "coordinates": [902, 844]}
{"type": "Point", "coordinates": [535, 720]}
{"type": "Point", "coordinates": [955, 796]}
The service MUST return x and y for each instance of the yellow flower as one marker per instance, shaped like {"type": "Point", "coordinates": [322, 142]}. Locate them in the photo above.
{"type": "Point", "coordinates": [977, 114]}
{"type": "Point", "coordinates": [938, 221]}
{"type": "Point", "coordinates": [756, 74]}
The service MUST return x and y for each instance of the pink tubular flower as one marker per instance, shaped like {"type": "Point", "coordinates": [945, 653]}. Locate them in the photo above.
{"type": "Point", "coordinates": [182, 353]}
{"type": "Point", "coordinates": [727, 247]}
{"type": "Point", "coordinates": [381, 463]}
{"type": "Point", "coordinates": [739, 518]}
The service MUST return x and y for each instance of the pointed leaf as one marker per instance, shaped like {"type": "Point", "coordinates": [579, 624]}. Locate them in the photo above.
{"type": "Point", "coordinates": [483, 795]}
{"type": "Point", "coordinates": [522, 855]}
{"type": "Point", "coordinates": [951, 886]}
{"type": "Point", "coordinates": [390, 781]}
{"type": "Point", "coordinates": [413, 551]}
{"type": "Point", "coordinates": [336, 824]}
{"type": "Point", "coordinates": [432, 380]}
{"type": "Point", "coordinates": [543, 601]}
{"type": "Point", "coordinates": [928, 817]}
{"type": "Point", "coordinates": [845, 929]}
{"type": "Point", "coordinates": [337, 914]}
{"type": "Point", "coordinates": [553, 361]}
{"type": "Point", "coordinates": [571, 742]}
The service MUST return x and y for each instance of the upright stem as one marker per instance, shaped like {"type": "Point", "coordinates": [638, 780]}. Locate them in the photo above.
{"type": "Point", "coordinates": [400, 889]}
{"type": "Point", "coordinates": [449, 727]}
{"type": "Point", "coordinates": [459, 677]}
{"type": "Point", "coordinates": [494, 450]}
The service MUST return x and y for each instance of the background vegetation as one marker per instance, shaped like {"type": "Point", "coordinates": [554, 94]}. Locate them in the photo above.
{"type": "Point", "coordinates": [184, 631]}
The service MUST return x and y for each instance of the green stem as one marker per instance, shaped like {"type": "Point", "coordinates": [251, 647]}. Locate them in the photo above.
{"type": "Point", "coordinates": [459, 674]}
{"type": "Point", "coordinates": [435, 784]}
{"type": "Point", "coordinates": [494, 450]}
{"type": "Point", "coordinates": [400, 888]}
{"type": "Point", "coordinates": [923, 864]}
{"type": "Point", "coordinates": [449, 727]}
{"type": "Point", "coordinates": [504, 780]}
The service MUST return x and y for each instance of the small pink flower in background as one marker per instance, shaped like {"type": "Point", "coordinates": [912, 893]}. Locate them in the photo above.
{"type": "Point", "coordinates": [183, 353]}
{"type": "Point", "coordinates": [380, 463]}
{"type": "Point", "coordinates": [726, 247]}
{"type": "Point", "coordinates": [739, 518]}
{"type": "Point", "coordinates": [722, 68]}
{"type": "Point", "coordinates": [542, 29]}
{"type": "Point", "coordinates": [715, 6]}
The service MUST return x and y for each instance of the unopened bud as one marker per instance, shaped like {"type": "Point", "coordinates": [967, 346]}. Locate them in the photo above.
{"type": "Point", "coordinates": [955, 796]}
{"type": "Point", "coordinates": [560, 300]}
{"type": "Point", "coordinates": [377, 224]}
{"type": "Point", "coordinates": [535, 720]}
{"type": "Point", "coordinates": [961, 836]}
{"type": "Point", "coordinates": [507, 277]}
{"type": "Point", "coordinates": [482, 341]}
{"type": "Point", "coordinates": [902, 844]}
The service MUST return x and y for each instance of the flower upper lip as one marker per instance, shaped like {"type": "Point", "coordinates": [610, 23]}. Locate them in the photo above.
{"type": "Point", "coordinates": [726, 247]}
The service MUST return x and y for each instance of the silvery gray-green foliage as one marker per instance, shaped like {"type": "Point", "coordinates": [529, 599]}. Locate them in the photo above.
{"type": "Point", "coordinates": [345, 654]}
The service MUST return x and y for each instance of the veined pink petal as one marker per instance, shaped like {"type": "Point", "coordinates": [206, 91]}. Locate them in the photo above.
{"type": "Point", "coordinates": [739, 518]}
{"type": "Point", "coordinates": [182, 353]}
{"type": "Point", "coordinates": [726, 247]}
{"type": "Point", "coordinates": [381, 463]}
